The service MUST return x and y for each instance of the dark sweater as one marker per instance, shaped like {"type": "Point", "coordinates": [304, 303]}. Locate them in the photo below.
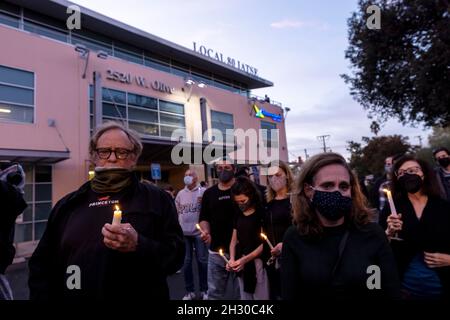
{"type": "Point", "coordinates": [431, 234]}
{"type": "Point", "coordinates": [73, 237]}
{"type": "Point", "coordinates": [307, 264]}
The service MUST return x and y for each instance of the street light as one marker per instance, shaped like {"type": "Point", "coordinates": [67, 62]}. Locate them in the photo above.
{"type": "Point", "coordinates": [189, 82]}
{"type": "Point", "coordinates": [286, 110]}
{"type": "Point", "coordinates": [84, 54]}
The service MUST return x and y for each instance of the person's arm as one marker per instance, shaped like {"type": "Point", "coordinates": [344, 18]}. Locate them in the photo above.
{"type": "Point", "coordinates": [232, 249]}
{"type": "Point", "coordinates": [289, 269]}
{"type": "Point", "coordinates": [204, 219]}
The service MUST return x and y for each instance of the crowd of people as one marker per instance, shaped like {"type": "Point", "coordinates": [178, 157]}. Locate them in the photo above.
{"type": "Point", "coordinates": [318, 235]}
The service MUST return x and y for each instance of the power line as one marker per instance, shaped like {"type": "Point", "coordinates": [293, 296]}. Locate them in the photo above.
{"type": "Point", "coordinates": [324, 138]}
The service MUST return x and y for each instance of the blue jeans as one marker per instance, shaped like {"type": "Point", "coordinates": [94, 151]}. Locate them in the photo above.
{"type": "Point", "coordinates": [218, 278]}
{"type": "Point", "coordinates": [201, 253]}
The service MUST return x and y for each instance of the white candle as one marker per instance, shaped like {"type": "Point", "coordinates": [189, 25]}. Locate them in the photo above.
{"type": "Point", "coordinates": [200, 229]}
{"type": "Point", "coordinates": [391, 201]}
{"type": "Point", "coordinates": [267, 240]}
{"type": "Point", "coordinates": [223, 256]}
{"type": "Point", "coordinates": [117, 219]}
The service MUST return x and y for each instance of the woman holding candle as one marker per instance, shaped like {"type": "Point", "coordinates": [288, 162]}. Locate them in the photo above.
{"type": "Point", "coordinates": [246, 246]}
{"type": "Point", "coordinates": [123, 235]}
{"type": "Point", "coordinates": [422, 220]}
{"type": "Point", "coordinates": [278, 218]}
{"type": "Point", "coordinates": [333, 251]}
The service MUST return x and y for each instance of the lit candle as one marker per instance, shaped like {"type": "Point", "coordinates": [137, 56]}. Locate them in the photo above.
{"type": "Point", "coordinates": [117, 219]}
{"type": "Point", "coordinates": [267, 240]}
{"type": "Point", "coordinates": [223, 256]}
{"type": "Point", "coordinates": [391, 201]}
{"type": "Point", "coordinates": [200, 229]}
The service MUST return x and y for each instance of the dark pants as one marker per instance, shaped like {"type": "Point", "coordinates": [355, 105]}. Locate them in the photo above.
{"type": "Point", "coordinates": [194, 243]}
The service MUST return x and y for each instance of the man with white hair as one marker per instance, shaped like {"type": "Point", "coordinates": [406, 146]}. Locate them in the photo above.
{"type": "Point", "coordinates": [188, 203]}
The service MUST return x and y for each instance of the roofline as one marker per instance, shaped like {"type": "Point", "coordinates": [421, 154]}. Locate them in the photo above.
{"type": "Point", "coordinates": [112, 28]}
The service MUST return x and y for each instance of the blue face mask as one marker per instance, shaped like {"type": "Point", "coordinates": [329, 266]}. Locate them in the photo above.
{"type": "Point", "coordinates": [331, 205]}
{"type": "Point", "coordinates": [388, 169]}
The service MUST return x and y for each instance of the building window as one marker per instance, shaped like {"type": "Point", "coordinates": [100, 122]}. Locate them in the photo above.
{"type": "Point", "coordinates": [30, 225]}
{"type": "Point", "coordinates": [222, 121]}
{"type": "Point", "coordinates": [270, 134]}
{"type": "Point", "coordinates": [147, 115]}
{"type": "Point", "coordinates": [16, 95]}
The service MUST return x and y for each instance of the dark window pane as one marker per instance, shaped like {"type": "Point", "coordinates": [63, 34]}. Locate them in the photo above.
{"type": "Point", "coordinates": [222, 117]}
{"type": "Point", "coordinates": [28, 196]}
{"type": "Point", "coordinates": [43, 192]}
{"type": "Point", "coordinates": [142, 101]}
{"type": "Point", "coordinates": [39, 229]}
{"type": "Point", "coordinates": [42, 211]}
{"type": "Point", "coordinates": [16, 95]}
{"type": "Point", "coordinates": [116, 111]}
{"type": "Point", "coordinates": [43, 174]}
{"type": "Point", "coordinates": [23, 232]}
{"type": "Point", "coordinates": [28, 213]}
{"type": "Point", "coordinates": [171, 107]}
{"type": "Point", "coordinates": [91, 92]}
{"type": "Point", "coordinates": [45, 31]}
{"type": "Point", "coordinates": [128, 56]}
{"type": "Point", "coordinates": [16, 113]}
{"type": "Point", "coordinates": [167, 131]}
{"type": "Point", "coordinates": [114, 96]}
{"type": "Point", "coordinates": [17, 77]}
{"type": "Point", "coordinates": [142, 115]}
{"type": "Point", "coordinates": [157, 65]}
{"type": "Point", "coordinates": [146, 129]}
{"type": "Point", "coordinates": [171, 119]}
{"type": "Point", "coordinates": [91, 107]}
{"type": "Point", "coordinates": [9, 20]}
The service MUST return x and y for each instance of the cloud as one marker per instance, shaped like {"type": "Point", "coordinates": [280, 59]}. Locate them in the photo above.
{"type": "Point", "coordinates": [287, 23]}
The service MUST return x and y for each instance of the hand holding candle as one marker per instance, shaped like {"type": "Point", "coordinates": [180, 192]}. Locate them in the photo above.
{"type": "Point", "coordinates": [117, 219]}
{"type": "Point", "coordinates": [223, 256]}
{"type": "Point", "coordinates": [200, 229]}
{"type": "Point", "coordinates": [267, 240]}
{"type": "Point", "coordinates": [394, 214]}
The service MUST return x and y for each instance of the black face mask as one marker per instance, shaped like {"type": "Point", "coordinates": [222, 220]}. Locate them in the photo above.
{"type": "Point", "coordinates": [444, 162]}
{"type": "Point", "coordinates": [332, 205]}
{"type": "Point", "coordinates": [244, 206]}
{"type": "Point", "coordinates": [411, 183]}
{"type": "Point", "coordinates": [225, 175]}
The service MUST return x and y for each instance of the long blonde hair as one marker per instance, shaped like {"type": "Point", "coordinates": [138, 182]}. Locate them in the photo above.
{"type": "Point", "coordinates": [270, 193]}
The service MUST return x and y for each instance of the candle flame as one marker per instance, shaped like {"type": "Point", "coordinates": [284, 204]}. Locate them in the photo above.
{"type": "Point", "coordinates": [117, 208]}
{"type": "Point", "coordinates": [198, 226]}
{"type": "Point", "coordinates": [386, 190]}
{"type": "Point", "coordinates": [263, 236]}
{"type": "Point", "coordinates": [221, 252]}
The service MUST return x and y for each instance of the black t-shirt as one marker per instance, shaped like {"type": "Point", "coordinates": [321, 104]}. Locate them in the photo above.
{"type": "Point", "coordinates": [278, 219]}
{"type": "Point", "coordinates": [219, 210]}
{"type": "Point", "coordinates": [248, 231]}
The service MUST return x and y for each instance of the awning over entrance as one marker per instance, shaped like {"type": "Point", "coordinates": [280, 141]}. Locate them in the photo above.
{"type": "Point", "coordinates": [34, 156]}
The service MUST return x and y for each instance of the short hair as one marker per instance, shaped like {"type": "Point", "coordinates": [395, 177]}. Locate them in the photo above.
{"type": "Point", "coordinates": [305, 217]}
{"type": "Point", "coordinates": [132, 135]}
{"type": "Point", "coordinates": [437, 150]}
{"type": "Point", "coordinates": [226, 159]}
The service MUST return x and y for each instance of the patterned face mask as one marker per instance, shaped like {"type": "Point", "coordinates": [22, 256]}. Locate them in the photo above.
{"type": "Point", "coordinates": [277, 183]}
{"type": "Point", "coordinates": [331, 205]}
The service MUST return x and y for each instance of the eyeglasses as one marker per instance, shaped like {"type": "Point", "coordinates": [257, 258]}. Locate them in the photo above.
{"type": "Point", "coordinates": [412, 170]}
{"type": "Point", "coordinates": [105, 153]}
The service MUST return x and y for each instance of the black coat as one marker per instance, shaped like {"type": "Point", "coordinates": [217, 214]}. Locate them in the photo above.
{"type": "Point", "coordinates": [137, 275]}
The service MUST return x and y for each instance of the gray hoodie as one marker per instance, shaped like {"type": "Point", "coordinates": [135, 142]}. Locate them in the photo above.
{"type": "Point", "coordinates": [188, 204]}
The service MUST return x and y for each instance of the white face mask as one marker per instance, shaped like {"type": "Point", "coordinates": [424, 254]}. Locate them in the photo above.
{"type": "Point", "coordinates": [188, 180]}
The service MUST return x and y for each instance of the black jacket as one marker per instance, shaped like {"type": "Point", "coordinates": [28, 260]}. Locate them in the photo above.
{"type": "Point", "coordinates": [431, 234]}
{"type": "Point", "coordinates": [136, 275]}
{"type": "Point", "coordinates": [12, 205]}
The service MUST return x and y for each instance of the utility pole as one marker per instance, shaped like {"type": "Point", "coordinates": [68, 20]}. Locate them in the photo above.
{"type": "Point", "coordinates": [324, 138]}
{"type": "Point", "coordinates": [306, 154]}
{"type": "Point", "coordinates": [420, 140]}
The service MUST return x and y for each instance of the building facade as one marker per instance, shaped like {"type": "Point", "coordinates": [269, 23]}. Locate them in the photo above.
{"type": "Point", "coordinates": [57, 84]}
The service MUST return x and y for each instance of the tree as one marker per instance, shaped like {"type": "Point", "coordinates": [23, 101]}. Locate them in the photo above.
{"type": "Point", "coordinates": [402, 70]}
{"type": "Point", "coordinates": [440, 137]}
{"type": "Point", "coordinates": [370, 158]}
